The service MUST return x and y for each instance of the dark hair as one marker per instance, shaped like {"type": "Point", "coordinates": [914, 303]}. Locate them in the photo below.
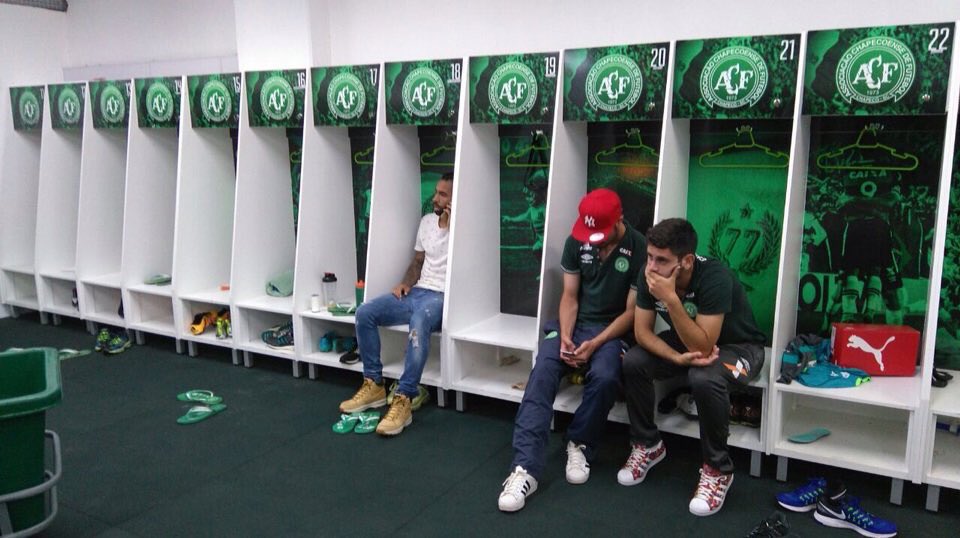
{"type": "Point", "coordinates": [447, 177]}
{"type": "Point", "coordinates": [676, 235]}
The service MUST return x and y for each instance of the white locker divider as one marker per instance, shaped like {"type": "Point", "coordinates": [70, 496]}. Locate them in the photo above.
{"type": "Point", "coordinates": [103, 168]}
{"type": "Point", "coordinates": [328, 242]}
{"type": "Point", "coordinates": [57, 203]}
{"type": "Point", "coordinates": [203, 231]}
{"type": "Point", "coordinates": [148, 225]}
{"type": "Point", "coordinates": [19, 180]}
{"type": "Point", "coordinates": [264, 242]}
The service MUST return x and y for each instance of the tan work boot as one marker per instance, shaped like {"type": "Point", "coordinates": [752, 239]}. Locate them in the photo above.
{"type": "Point", "coordinates": [398, 417]}
{"type": "Point", "coordinates": [369, 395]}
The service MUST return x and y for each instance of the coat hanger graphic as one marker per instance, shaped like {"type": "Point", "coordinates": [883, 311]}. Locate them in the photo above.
{"type": "Point", "coordinates": [539, 143]}
{"type": "Point", "coordinates": [364, 156]}
{"type": "Point", "coordinates": [867, 154]}
{"type": "Point", "coordinates": [745, 145]}
{"type": "Point", "coordinates": [640, 154]}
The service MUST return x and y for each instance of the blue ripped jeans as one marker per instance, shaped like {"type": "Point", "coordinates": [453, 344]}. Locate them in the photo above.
{"type": "Point", "coordinates": [422, 309]}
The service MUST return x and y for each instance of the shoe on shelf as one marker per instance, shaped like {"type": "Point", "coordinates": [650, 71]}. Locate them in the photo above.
{"type": "Point", "coordinates": [736, 408]}
{"type": "Point", "coordinates": [639, 462]}
{"type": "Point", "coordinates": [282, 338]}
{"type": "Point", "coordinates": [344, 344]}
{"type": "Point", "coordinates": [202, 321]}
{"type": "Point", "coordinates": [711, 491]}
{"type": "Point", "coordinates": [398, 417]}
{"type": "Point", "coordinates": [103, 337]}
{"type": "Point", "coordinates": [119, 343]}
{"type": "Point", "coordinates": [368, 395]}
{"type": "Point", "coordinates": [516, 488]}
{"type": "Point", "coordinates": [688, 406]}
{"type": "Point", "coordinates": [774, 526]}
{"type": "Point", "coordinates": [325, 344]}
{"type": "Point", "coordinates": [578, 470]}
{"type": "Point", "coordinates": [804, 498]}
{"type": "Point", "coordinates": [844, 512]}
{"type": "Point", "coordinates": [224, 329]}
{"type": "Point", "coordinates": [275, 329]}
{"type": "Point", "coordinates": [350, 357]}
{"type": "Point", "coordinates": [751, 411]}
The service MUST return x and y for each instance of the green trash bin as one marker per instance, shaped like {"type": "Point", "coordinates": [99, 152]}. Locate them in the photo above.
{"type": "Point", "coordinates": [29, 385]}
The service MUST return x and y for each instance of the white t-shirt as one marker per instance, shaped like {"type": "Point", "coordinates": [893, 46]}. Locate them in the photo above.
{"type": "Point", "coordinates": [432, 240]}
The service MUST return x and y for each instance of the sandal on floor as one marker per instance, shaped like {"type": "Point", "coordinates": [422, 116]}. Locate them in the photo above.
{"type": "Point", "coordinates": [206, 397]}
{"type": "Point", "coordinates": [368, 422]}
{"type": "Point", "coordinates": [347, 422]}
{"type": "Point", "coordinates": [67, 353]}
{"type": "Point", "coordinates": [200, 412]}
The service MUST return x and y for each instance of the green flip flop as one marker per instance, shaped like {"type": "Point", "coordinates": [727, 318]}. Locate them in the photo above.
{"type": "Point", "coordinates": [347, 423]}
{"type": "Point", "coordinates": [67, 353]}
{"type": "Point", "coordinates": [206, 397]}
{"type": "Point", "coordinates": [368, 422]}
{"type": "Point", "coordinates": [198, 413]}
{"type": "Point", "coordinates": [810, 436]}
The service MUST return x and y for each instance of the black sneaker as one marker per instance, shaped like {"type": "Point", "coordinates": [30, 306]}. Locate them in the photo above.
{"type": "Point", "coordinates": [844, 512]}
{"type": "Point", "coordinates": [774, 525]}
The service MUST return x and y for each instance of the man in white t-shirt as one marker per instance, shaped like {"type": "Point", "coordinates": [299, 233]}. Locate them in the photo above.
{"type": "Point", "coordinates": [418, 301]}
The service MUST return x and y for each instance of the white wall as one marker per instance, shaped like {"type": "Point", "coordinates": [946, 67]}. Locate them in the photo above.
{"type": "Point", "coordinates": [378, 30]}
{"type": "Point", "coordinates": [275, 34]}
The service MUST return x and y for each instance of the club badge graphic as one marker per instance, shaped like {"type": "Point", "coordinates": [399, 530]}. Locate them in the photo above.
{"type": "Point", "coordinates": [277, 99]}
{"type": "Point", "coordinates": [513, 89]}
{"type": "Point", "coordinates": [734, 77]}
{"type": "Point", "coordinates": [69, 106]}
{"type": "Point", "coordinates": [423, 93]}
{"type": "Point", "coordinates": [159, 100]}
{"type": "Point", "coordinates": [216, 103]}
{"type": "Point", "coordinates": [29, 108]}
{"type": "Point", "coordinates": [614, 83]}
{"type": "Point", "coordinates": [112, 105]}
{"type": "Point", "coordinates": [875, 70]}
{"type": "Point", "coordinates": [346, 97]}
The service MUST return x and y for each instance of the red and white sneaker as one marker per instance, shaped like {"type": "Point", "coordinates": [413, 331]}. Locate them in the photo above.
{"type": "Point", "coordinates": [711, 491]}
{"type": "Point", "coordinates": [640, 461]}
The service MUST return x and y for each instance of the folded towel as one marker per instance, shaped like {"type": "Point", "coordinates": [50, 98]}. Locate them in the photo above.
{"type": "Point", "coordinates": [281, 285]}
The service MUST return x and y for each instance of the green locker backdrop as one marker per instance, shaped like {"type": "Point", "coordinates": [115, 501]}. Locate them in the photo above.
{"type": "Point", "coordinates": [947, 353]}
{"type": "Point", "coordinates": [276, 98]}
{"type": "Point", "coordinates": [361, 161]}
{"type": "Point", "coordinates": [888, 70]}
{"type": "Point", "coordinates": [620, 83]}
{"type": "Point", "coordinates": [158, 101]}
{"type": "Point", "coordinates": [624, 157]}
{"type": "Point", "coordinates": [110, 100]}
{"type": "Point", "coordinates": [868, 221]}
{"type": "Point", "coordinates": [425, 92]}
{"type": "Point", "coordinates": [513, 89]}
{"type": "Point", "coordinates": [345, 96]}
{"type": "Point", "coordinates": [214, 100]}
{"type": "Point", "coordinates": [27, 106]}
{"type": "Point", "coordinates": [524, 170]}
{"type": "Point", "coordinates": [438, 145]}
{"type": "Point", "coordinates": [743, 164]}
{"type": "Point", "coordinates": [737, 77]}
{"type": "Point", "coordinates": [295, 144]}
{"type": "Point", "coordinates": [67, 103]}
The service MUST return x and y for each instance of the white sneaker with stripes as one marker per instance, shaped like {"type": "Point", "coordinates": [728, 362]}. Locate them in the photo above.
{"type": "Point", "coordinates": [516, 488]}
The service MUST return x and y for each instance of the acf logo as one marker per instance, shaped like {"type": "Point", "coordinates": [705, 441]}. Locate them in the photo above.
{"type": "Point", "coordinates": [68, 105]}
{"type": "Point", "coordinates": [346, 97]}
{"type": "Point", "coordinates": [112, 104]}
{"type": "Point", "coordinates": [734, 77]}
{"type": "Point", "coordinates": [29, 107]}
{"type": "Point", "coordinates": [423, 93]}
{"type": "Point", "coordinates": [614, 83]}
{"type": "Point", "coordinates": [512, 89]}
{"type": "Point", "coordinates": [276, 98]}
{"type": "Point", "coordinates": [159, 102]}
{"type": "Point", "coordinates": [216, 102]}
{"type": "Point", "coordinates": [875, 70]}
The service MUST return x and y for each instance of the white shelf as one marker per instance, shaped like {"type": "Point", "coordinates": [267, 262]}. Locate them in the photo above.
{"type": "Point", "coordinates": [68, 275]}
{"type": "Point", "coordinates": [24, 302]}
{"type": "Point", "coordinates": [165, 290]}
{"type": "Point", "coordinates": [162, 327]}
{"type": "Point", "coordinates": [327, 316]}
{"type": "Point", "coordinates": [504, 330]}
{"type": "Point", "coordinates": [895, 392]}
{"type": "Point", "coordinates": [431, 372]}
{"type": "Point", "coordinates": [109, 319]}
{"type": "Point", "coordinates": [264, 349]}
{"type": "Point", "coordinates": [268, 303]}
{"type": "Point", "coordinates": [946, 400]}
{"type": "Point", "coordinates": [110, 280]}
{"type": "Point", "coordinates": [867, 444]}
{"type": "Point", "coordinates": [23, 269]}
{"type": "Point", "coordinates": [208, 337]}
{"type": "Point", "coordinates": [212, 296]}
{"type": "Point", "coordinates": [945, 467]}
{"type": "Point", "coordinates": [62, 311]}
{"type": "Point", "coordinates": [331, 359]}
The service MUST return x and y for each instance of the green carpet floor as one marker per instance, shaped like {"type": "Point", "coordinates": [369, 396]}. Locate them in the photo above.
{"type": "Point", "coordinates": [270, 465]}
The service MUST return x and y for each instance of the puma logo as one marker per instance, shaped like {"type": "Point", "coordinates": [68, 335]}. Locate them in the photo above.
{"type": "Point", "coordinates": [859, 343]}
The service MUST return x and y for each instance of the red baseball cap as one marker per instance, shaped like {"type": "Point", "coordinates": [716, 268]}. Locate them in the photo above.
{"type": "Point", "coordinates": [600, 210]}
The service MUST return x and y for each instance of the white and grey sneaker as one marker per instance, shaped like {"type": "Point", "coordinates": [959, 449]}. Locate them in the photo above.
{"type": "Point", "coordinates": [578, 470]}
{"type": "Point", "coordinates": [516, 488]}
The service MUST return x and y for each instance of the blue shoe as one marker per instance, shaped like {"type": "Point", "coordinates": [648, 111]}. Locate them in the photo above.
{"type": "Point", "coordinates": [325, 345]}
{"type": "Point", "coordinates": [118, 344]}
{"type": "Point", "coordinates": [282, 338]}
{"type": "Point", "coordinates": [804, 498]}
{"type": "Point", "coordinates": [844, 512]}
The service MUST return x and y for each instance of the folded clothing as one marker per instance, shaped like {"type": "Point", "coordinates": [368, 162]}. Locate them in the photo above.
{"type": "Point", "coordinates": [281, 285]}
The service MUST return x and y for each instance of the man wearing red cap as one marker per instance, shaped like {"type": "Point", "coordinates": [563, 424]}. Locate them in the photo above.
{"type": "Point", "coordinates": [601, 260]}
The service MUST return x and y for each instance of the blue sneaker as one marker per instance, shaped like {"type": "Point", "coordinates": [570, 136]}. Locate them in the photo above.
{"type": "Point", "coordinates": [844, 512]}
{"type": "Point", "coordinates": [804, 498]}
{"type": "Point", "coordinates": [119, 343]}
{"type": "Point", "coordinates": [279, 339]}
